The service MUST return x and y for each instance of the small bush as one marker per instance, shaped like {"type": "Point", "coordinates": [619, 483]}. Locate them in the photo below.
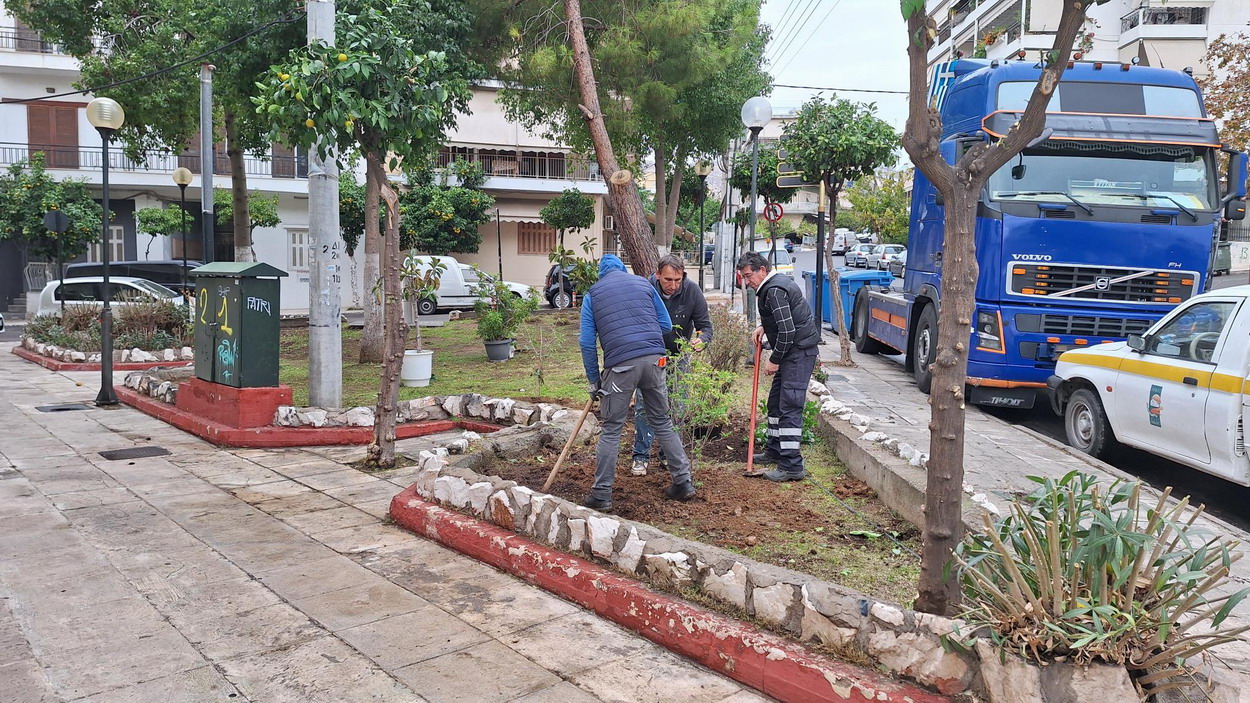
{"type": "Point", "coordinates": [700, 398]}
{"type": "Point", "coordinates": [151, 325]}
{"type": "Point", "coordinates": [731, 339]}
{"type": "Point", "coordinates": [49, 330]}
{"type": "Point", "coordinates": [80, 317]}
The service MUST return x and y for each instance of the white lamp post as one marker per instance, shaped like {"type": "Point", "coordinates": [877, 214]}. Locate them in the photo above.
{"type": "Point", "coordinates": [182, 176]}
{"type": "Point", "coordinates": [107, 117]}
{"type": "Point", "coordinates": [702, 170]}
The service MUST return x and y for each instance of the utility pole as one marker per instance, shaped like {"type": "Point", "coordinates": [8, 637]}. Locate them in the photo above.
{"type": "Point", "coordinates": [206, 162]}
{"type": "Point", "coordinates": [325, 253]}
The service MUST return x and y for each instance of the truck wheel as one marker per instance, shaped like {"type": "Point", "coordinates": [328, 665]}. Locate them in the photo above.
{"type": "Point", "coordinates": [1085, 422]}
{"type": "Point", "coordinates": [924, 348]}
{"type": "Point", "coordinates": [561, 300]}
{"type": "Point", "coordinates": [859, 329]}
{"type": "Point", "coordinates": [426, 306]}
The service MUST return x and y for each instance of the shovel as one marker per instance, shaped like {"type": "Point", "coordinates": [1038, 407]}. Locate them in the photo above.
{"type": "Point", "coordinates": [569, 444]}
{"type": "Point", "coordinates": [755, 395]}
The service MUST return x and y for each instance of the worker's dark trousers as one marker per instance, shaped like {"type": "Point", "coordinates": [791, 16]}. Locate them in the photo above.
{"type": "Point", "coordinates": [785, 409]}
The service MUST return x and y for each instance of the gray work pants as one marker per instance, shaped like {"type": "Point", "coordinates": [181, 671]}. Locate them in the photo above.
{"type": "Point", "coordinates": [618, 384]}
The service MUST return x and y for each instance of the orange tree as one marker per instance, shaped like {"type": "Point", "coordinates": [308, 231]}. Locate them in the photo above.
{"type": "Point", "coordinates": [387, 92]}
{"type": "Point", "coordinates": [960, 184]}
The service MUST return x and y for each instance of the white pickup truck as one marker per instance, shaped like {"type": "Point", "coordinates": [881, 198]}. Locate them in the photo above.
{"type": "Point", "coordinates": [457, 285]}
{"type": "Point", "coordinates": [1180, 391]}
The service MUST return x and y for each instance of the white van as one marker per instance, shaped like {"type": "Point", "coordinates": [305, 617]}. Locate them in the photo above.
{"type": "Point", "coordinates": [457, 285]}
{"type": "Point", "coordinates": [838, 244]}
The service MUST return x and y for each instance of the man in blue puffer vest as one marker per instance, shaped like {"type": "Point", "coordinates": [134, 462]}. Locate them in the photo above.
{"type": "Point", "coordinates": [627, 316]}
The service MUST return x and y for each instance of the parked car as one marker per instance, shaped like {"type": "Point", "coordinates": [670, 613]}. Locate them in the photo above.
{"type": "Point", "coordinates": [457, 285]}
{"type": "Point", "coordinates": [866, 238]}
{"type": "Point", "coordinates": [123, 290]}
{"type": "Point", "coordinates": [898, 265]}
{"type": "Point", "coordinates": [166, 273]}
{"type": "Point", "coordinates": [883, 254]}
{"type": "Point", "coordinates": [709, 250]}
{"type": "Point", "coordinates": [781, 260]}
{"type": "Point", "coordinates": [1, 322]}
{"type": "Point", "coordinates": [839, 243]}
{"type": "Point", "coordinates": [558, 293]}
{"type": "Point", "coordinates": [857, 255]}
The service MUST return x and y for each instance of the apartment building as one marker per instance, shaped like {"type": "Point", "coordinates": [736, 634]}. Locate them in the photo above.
{"type": "Point", "coordinates": [524, 171]}
{"type": "Point", "coordinates": [1162, 33]}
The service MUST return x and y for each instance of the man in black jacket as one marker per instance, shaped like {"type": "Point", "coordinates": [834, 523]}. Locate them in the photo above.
{"type": "Point", "coordinates": [687, 309]}
{"type": "Point", "coordinates": [792, 334]}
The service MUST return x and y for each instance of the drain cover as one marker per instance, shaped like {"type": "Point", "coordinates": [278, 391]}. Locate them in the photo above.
{"type": "Point", "coordinates": [134, 453]}
{"type": "Point", "coordinates": [64, 407]}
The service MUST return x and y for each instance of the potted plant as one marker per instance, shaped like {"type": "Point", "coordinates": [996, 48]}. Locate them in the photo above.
{"type": "Point", "coordinates": [421, 282]}
{"type": "Point", "coordinates": [500, 313]}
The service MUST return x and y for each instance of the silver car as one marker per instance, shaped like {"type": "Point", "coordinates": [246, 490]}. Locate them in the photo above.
{"type": "Point", "coordinates": [857, 255]}
{"type": "Point", "coordinates": [883, 254]}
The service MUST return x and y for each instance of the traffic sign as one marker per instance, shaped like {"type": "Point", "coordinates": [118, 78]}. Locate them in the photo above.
{"type": "Point", "coordinates": [794, 180]}
{"type": "Point", "coordinates": [783, 154]}
{"type": "Point", "coordinates": [55, 221]}
{"type": "Point", "coordinates": [785, 168]}
{"type": "Point", "coordinates": [773, 212]}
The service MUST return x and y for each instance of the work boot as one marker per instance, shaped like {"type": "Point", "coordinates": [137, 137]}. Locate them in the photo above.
{"type": "Point", "coordinates": [764, 457]}
{"type": "Point", "coordinates": [681, 493]}
{"type": "Point", "coordinates": [782, 476]}
{"type": "Point", "coordinates": [639, 468]}
{"type": "Point", "coordinates": [603, 506]}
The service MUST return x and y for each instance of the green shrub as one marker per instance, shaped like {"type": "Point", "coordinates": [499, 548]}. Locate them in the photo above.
{"type": "Point", "coordinates": [731, 339]}
{"type": "Point", "coordinates": [700, 397]}
{"type": "Point", "coordinates": [1083, 574]}
{"type": "Point", "coordinates": [500, 312]}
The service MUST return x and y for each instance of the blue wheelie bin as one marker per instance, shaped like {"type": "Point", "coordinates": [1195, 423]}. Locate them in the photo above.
{"type": "Point", "coordinates": [850, 281]}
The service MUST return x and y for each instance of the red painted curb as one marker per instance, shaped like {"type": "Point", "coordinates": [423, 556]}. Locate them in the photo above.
{"type": "Point", "coordinates": [49, 363]}
{"type": "Point", "coordinates": [273, 436]}
{"type": "Point", "coordinates": [768, 663]}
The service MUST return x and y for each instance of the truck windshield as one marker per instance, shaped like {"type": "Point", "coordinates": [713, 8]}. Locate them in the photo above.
{"type": "Point", "coordinates": [1143, 175]}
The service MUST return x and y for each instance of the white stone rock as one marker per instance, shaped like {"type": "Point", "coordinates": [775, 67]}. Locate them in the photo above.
{"type": "Point", "coordinates": [905, 451]}
{"type": "Point", "coordinates": [162, 389]}
{"type": "Point", "coordinates": [451, 490]}
{"type": "Point", "coordinates": [454, 405]}
{"type": "Point", "coordinates": [817, 388]}
{"type": "Point", "coordinates": [859, 421]}
{"type": "Point", "coordinates": [169, 355]}
{"type": "Point", "coordinates": [425, 482]}
{"type": "Point", "coordinates": [919, 459]}
{"type": "Point", "coordinates": [553, 530]}
{"type": "Point", "coordinates": [577, 535]}
{"type": "Point", "coordinates": [312, 417]}
{"type": "Point", "coordinates": [830, 406]}
{"type": "Point", "coordinates": [94, 358]}
{"type": "Point", "coordinates": [537, 502]}
{"type": "Point", "coordinates": [501, 408]}
{"type": "Point", "coordinates": [522, 415]}
{"type": "Point", "coordinates": [813, 625]}
{"type": "Point", "coordinates": [673, 568]}
{"type": "Point", "coordinates": [458, 446]}
{"type": "Point", "coordinates": [522, 495]}
{"type": "Point", "coordinates": [887, 614]}
{"type": "Point", "coordinates": [730, 586]}
{"type": "Point", "coordinates": [470, 436]}
{"type": "Point", "coordinates": [476, 406]}
{"type": "Point", "coordinates": [773, 603]}
{"type": "Point", "coordinates": [874, 436]}
{"type": "Point", "coordinates": [547, 411]}
{"type": "Point", "coordinates": [77, 356]}
{"type": "Point", "coordinates": [602, 534]}
{"type": "Point", "coordinates": [478, 494]}
{"type": "Point", "coordinates": [500, 511]}
{"type": "Point", "coordinates": [630, 556]}
{"type": "Point", "coordinates": [359, 416]}
{"type": "Point", "coordinates": [187, 354]}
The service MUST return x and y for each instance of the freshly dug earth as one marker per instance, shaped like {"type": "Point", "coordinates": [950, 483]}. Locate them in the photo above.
{"type": "Point", "coordinates": [799, 525]}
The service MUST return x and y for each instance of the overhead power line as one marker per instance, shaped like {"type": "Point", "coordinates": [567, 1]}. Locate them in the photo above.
{"type": "Point", "coordinates": [292, 17]}
{"type": "Point", "coordinates": [797, 26]}
{"type": "Point", "coordinates": [839, 90]}
{"type": "Point", "coordinates": [798, 48]}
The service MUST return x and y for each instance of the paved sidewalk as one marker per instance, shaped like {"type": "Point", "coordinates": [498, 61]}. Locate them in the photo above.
{"type": "Point", "coordinates": [264, 575]}
{"type": "Point", "coordinates": [998, 458]}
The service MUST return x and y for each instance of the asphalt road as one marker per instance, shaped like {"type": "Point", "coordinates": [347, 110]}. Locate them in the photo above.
{"type": "Point", "coordinates": [1223, 499]}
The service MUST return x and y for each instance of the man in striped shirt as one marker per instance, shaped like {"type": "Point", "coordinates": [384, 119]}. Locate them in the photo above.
{"type": "Point", "coordinates": [788, 323]}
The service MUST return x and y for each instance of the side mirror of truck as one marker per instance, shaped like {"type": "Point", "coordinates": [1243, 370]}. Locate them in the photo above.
{"type": "Point", "coordinates": [1137, 343]}
{"type": "Point", "coordinates": [1235, 209]}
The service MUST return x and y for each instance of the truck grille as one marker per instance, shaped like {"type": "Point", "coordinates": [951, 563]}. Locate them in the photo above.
{"type": "Point", "coordinates": [1100, 283]}
{"type": "Point", "coordinates": [1083, 326]}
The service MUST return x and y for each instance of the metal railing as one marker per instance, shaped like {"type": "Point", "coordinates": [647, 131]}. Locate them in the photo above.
{"type": "Point", "coordinates": [27, 41]}
{"type": "Point", "coordinates": [38, 273]}
{"type": "Point", "coordinates": [1163, 15]}
{"type": "Point", "coordinates": [524, 164]}
{"type": "Point", "coordinates": [90, 159]}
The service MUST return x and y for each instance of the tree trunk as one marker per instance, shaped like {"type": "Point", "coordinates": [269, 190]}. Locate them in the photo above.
{"type": "Point", "coordinates": [371, 343]}
{"type": "Point", "coordinates": [674, 195]}
{"type": "Point", "coordinates": [631, 220]}
{"type": "Point", "coordinates": [835, 284]}
{"type": "Point", "coordinates": [394, 332]}
{"type": "Point", "coordinates": [663, 233]}
{"type": "Point", "coordinates": [242, 223]}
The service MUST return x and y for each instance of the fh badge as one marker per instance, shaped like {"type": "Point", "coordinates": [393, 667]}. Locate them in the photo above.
{"type": "Point", "coordinates": [1155, 406]}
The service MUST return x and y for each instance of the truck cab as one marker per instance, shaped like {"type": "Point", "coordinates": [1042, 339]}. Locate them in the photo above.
{"type": "Point", "coordinates": [1180, 390]}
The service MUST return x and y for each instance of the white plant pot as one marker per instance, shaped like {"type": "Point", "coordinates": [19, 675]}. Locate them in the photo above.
{"type": "Point", "coordinates": [417, 369]}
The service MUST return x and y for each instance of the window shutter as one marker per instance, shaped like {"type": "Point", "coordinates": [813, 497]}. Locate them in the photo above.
{"type": "Point", "coordinates": [65, 137]}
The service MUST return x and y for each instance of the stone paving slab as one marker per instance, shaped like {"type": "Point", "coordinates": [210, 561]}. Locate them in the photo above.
{"type": "Point", "coordinates": [998, 459]}
{"type": "Point", "coordinates": [264, 575]}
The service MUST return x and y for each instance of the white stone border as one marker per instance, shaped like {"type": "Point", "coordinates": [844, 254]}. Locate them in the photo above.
{"type": "Point", "coordinates": [135, 355]}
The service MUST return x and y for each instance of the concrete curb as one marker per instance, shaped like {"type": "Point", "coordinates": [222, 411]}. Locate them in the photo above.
{"type": "Point", "coordinates": [273, 436]}
{"type": "Point", "coordinates": [58, 366]}
{"type": "Point", "coordinates": [768, 663]}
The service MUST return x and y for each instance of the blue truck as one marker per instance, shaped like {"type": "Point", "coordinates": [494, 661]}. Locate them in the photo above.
{"type": "Point", "coordinates": [1107, 221]}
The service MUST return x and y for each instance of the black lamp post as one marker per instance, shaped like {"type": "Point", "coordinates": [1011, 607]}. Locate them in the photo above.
{"type": "Point", "coordinates": [182, 176]}
{"type": "Point", "coordinates": [702, 170]}
{"type": "Point", "coordinates": [756, 114]}
{"type": "Point", "coordinates": [107, 117]}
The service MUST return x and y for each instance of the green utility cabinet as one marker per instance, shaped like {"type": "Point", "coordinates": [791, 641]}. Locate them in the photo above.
{"type": "Point", "coordinates": [237, 323]}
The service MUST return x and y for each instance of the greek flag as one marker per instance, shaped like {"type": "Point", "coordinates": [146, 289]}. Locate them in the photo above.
{"type": "Point", "coordinates": [940, 82]}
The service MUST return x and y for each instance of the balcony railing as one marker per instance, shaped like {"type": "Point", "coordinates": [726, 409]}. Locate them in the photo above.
{"type": "Point", "coordinates": [27, 41]}
{"type": "Point", "coordinates": [524, 164]}
{"type": "Point", "coordinates": [1163, 15]}
{"type": "Point", "coordinates": [89, 159]}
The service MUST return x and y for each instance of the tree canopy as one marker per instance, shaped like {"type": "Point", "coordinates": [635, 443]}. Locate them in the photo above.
{"type": "Point", "coordinates": [440, 218]}
{"type": "Point", "coordinates": [570, 210]}
{"type": "Point", "coordinates": [882, 204]}
{"type": "Point", "coordinates": [839, 141]}
{"type": "Point", "coordinates": [167, 221]}
{"type": "Point", "coordinates": [27, 191]}
{"type": "Point", "coordinates": [766, 181]}
{"type": "Point", "coordinates": [1228, 60]}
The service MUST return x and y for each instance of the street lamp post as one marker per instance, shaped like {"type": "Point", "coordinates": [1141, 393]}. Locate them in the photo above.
{"type": "Point", "coordinates": [756, 114]}
{"type": "Point", "coordinates": [107, 117]}
{"type": "Point", "coordinates": [702, 170]}
{"type": "Point", "coordinates": [182, 176]}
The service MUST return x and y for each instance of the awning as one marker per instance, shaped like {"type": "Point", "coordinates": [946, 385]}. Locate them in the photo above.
{"type": "Point", "coordinates": [520, 210]}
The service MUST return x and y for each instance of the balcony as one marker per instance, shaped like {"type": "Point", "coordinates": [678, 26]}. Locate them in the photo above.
{"type": "Point", "coordinates": [523, 164]}
{"type": "Point", "coordinates": [90, 158]}
{"type": "Point", "coordinates": [1163, 16]}
{"type": "Point", "coordinates": [27, 41]}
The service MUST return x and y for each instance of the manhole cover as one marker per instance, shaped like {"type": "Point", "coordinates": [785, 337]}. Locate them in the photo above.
{"type": "Point", "coordinates": [63, 407]}
{"type": "Point", "coordinates": [134, 453]}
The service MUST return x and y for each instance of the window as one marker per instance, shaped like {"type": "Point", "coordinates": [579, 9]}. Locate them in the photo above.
{"type": "Point", "coordinates": [78, 292]}
{"type": "Point", "coordinates": [53, 129]}
{"type": "Point", "coordinates": [1110, 98]}
{"type": "Point", "coordinates": [535, 238]}
{"type": "Point", "coordinates": [1193, 334]}
{"type": "Point", "coordinates": [298, 239]}
{"type": "Point", "coordinates": [117, 246]}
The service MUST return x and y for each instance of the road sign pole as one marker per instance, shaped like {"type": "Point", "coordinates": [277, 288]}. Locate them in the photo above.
{"type": "Point", "coordinates": [820, 264]}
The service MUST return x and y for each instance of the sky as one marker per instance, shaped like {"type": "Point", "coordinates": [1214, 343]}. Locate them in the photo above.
{"type": "Point", "coordinates": [838, 44]}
